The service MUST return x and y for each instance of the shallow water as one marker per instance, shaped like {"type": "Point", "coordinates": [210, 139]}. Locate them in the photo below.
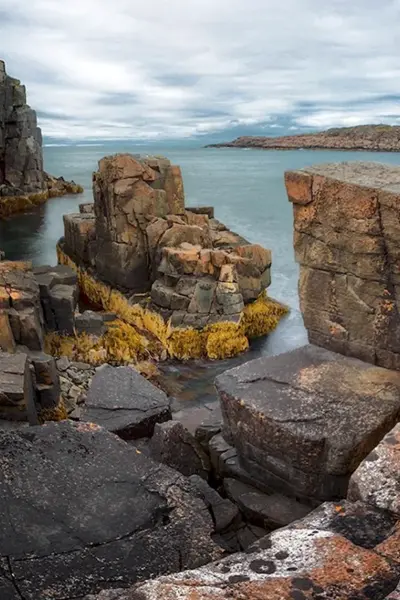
{"type": "Point", "coordinates": [246, 187]}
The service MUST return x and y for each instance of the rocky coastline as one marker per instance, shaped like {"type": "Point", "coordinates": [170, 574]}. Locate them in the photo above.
{"type": "Point", "coordinates": [285, 484]}
{"type": "Point", "coordinates": [23, 182]}
{"type": "Point", "coordinates": [285, 487]}
{"type": "Point", "coordinates": [373, 138]}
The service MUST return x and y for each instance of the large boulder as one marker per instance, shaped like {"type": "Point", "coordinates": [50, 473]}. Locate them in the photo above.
{"type": "Point", "coordinates": [81, 509]}
{"type": "Point", "coordinates": [303, 421]}
{"type": "Point", "coordinates": [346, 221]}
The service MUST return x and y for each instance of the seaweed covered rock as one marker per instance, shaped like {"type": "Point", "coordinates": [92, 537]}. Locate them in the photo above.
{"type": "Point", "coordinates": [105, 514]}
{"type": "Point", "coordinates": [181, 274]}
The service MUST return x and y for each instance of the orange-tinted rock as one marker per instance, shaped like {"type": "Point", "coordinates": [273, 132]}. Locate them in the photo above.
{"type": "Point", "coordinates": [346, 220]}
{"type": "Point", "coordinates": [377, 479]}
{"type": "Point", "coordinates": [289, 565]}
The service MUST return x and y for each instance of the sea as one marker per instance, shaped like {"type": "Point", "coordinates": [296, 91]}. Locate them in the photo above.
{"type": "Point", "coordinates": [246, 187]}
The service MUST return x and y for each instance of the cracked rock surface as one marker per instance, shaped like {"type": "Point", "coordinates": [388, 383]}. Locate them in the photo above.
{"type": "Point", "coordinates": [302, 422]}
{"type": "Point", "coordinates": [124, 402]}
{"type": "Point", "coordinates": [82, 511]}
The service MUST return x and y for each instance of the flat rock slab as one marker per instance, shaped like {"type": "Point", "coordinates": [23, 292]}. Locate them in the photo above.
{"type": "Point", "coordinates": [292, 565]}
{"type": "Point", "coordinates": [303, 421]}
{"type": "Point", "coordinates": [81, 509]}
{"type": "Point", "coordinates": [377, 479]}
{"type": "Point", "coordinates": [124, 402]}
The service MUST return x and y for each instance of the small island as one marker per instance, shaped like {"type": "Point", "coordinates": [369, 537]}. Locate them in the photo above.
{"type": "Point", "coordinates": [373, 138]}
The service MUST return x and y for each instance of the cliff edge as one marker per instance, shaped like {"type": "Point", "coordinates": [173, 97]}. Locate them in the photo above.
{"type": "Point", "coordinates": [383, 138]}
{"type": "Point", "coordinates": [23, 182]}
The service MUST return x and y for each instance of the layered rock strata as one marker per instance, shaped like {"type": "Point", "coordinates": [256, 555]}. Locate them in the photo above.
{"type": "Point", "coordinates": [23, 182]}
{"type": "Point", "coordinates": [346, 239]}
{"type": "Point", "coordinates": [140, 242]}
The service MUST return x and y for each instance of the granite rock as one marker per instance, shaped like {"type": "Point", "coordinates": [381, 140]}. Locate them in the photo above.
{"type": "Point", "coordinates": [302, 422]}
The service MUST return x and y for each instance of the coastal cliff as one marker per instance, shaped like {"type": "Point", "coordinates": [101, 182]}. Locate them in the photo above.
{"type": "Point", "coordinates": [23, 181]}
{"type": "Point", "coordinates": [382, 138]}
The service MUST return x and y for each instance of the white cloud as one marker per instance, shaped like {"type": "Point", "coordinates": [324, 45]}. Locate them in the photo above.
{"type": "Point", "coordinates": [95, 68]}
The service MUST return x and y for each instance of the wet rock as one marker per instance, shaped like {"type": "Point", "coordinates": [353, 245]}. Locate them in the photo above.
{"type": "Point", "coordinates": [290, 565]}
{"type": "Point", "coordinates": [223, 511]}
{"type": "Point", "coordinates": [377, 479]}
{"type": "Point", "coordinates": [103, 512]}
{"type": "Point", "coordinates": [269, 511]}
{"type": "Point", "coordinates": [303, 421]}
{"type": "Point", "coordinates": [124, 402]}
{"type": "Point", "coordinates": [175, 446]}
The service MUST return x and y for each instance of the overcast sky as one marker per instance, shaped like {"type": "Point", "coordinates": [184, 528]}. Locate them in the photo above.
{"type": "Point", "coordinates": [176, 68]}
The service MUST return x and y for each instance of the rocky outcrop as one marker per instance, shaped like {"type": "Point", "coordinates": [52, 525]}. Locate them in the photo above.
{"type": "Point", "coordinates": [140, 253]}
{"type": "Point", "coordinates": [376, 138]}
{"type": "Point", "coordinates": [346, 239]}
{"type": "Point", "coordinates": [23, 182]}
{"type": "Point", "coordinates": [302, 422]}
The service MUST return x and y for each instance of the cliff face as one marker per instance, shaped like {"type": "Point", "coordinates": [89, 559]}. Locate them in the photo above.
{"type": "Point", "coordinates": [21, 160]}
{"type": "Point", "coordinates": [346, 239]}
{"type": "Point", "coordinates": [364, 137]}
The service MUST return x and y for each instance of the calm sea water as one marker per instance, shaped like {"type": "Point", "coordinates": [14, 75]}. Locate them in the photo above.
{"type": "Point", "coordinates": [245, 187]}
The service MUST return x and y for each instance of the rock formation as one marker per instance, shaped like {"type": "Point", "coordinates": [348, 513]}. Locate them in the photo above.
{"type": "Point", "coordinates": [376, 138]}
{"type": "Point", "coordinates": [140, 239]}
{"type": "Point", "coordinates": [23, 182]}
{"type": "Point", "coordinates": [346, 239]}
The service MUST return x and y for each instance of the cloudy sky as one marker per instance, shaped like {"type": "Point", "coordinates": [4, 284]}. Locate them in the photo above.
{"type": "Point", "coordinates": [178, 68]}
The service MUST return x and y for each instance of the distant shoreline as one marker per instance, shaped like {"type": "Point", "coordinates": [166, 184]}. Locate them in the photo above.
{"type": "Point", "coordinates": [364, 138]}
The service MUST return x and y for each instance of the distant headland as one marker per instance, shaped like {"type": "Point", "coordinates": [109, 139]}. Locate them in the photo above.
{"type": "Point", "coordinates": [374, 138]}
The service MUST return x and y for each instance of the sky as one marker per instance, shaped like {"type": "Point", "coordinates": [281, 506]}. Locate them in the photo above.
{"type": "Point", "coordinates": [167, 69]}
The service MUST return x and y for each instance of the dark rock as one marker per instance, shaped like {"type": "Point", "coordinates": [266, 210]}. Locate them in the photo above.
{"type": "Point", "coordinates": [175, 446]}
{"type": "Point", "coordinates": [223, 511]}
{"type": "Point", "coordinates": [104, 512]}
{"type": "Point", "coordinates": [269, 511]}
{"type": "Point", "coordinates": [47, 383]}
{"type": "Point", "coordinates": [303, 421]}
{"type": "Point", "coordinates": [124, 402]}
{"type": "Point", "coordinates": [63, 301]}
{"type": "Point", "coordinates": [90, 322]}
{"type": "Point", "coordinates": [17, 400]}
{"type": "Point", "coordinates": [363, 525]}
{"type": "Point", "coordinates": [250, 534]}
